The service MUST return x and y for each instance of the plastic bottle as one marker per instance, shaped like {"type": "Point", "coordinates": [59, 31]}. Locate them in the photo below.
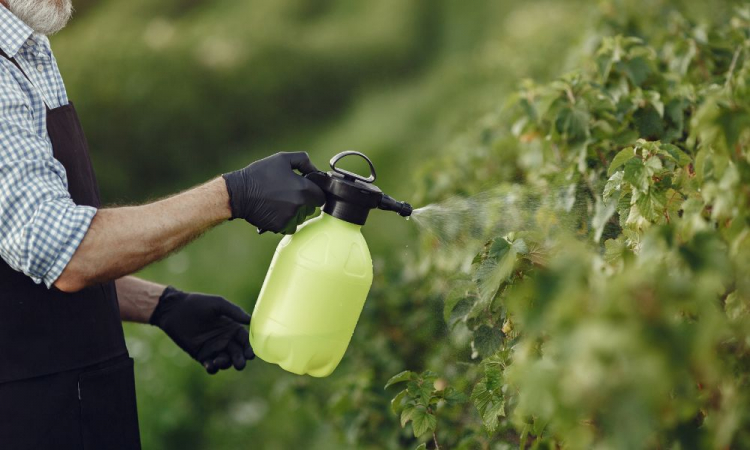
{"type": "Point", "coordinates": [319, 278]}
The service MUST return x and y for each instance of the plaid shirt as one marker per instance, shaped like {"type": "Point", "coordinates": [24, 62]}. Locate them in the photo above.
{"type": "Point", "coordinates": [40, 225]}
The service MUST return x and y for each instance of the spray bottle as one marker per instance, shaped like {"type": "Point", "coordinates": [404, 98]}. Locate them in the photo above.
{"type": "Point", "coordinates": [320, 276]}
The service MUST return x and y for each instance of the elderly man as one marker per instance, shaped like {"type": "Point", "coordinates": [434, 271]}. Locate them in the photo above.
{"type": "Point", "coordinates": [66, 380]}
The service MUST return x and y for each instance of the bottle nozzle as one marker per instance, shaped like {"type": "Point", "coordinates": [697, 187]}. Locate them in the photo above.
{"type": "Point", "coordinates": [388, 203]}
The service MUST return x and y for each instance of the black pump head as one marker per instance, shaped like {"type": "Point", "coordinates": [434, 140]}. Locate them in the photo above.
{"type": "Point", "coordinates": [350, 196]}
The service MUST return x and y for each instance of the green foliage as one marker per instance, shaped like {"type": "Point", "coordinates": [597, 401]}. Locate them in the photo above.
{"type": "Point", "coordinates": [630, 329]}
{"type": "Point", "coordinates": [392, 79]}
{"type": "Point", "coordinates": [487, 394]}
{"type": "Point", "coordinates": [421, 399]}
{"type": "Point", "coordinates": [399, 120]}
{"type": "Point", "coordinates": [614, 313]}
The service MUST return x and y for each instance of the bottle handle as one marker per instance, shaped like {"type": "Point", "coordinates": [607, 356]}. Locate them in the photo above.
{"type": "Point", "coordinates": [319, 178]}
{"type": "Point", "coordinates": [352, 175]}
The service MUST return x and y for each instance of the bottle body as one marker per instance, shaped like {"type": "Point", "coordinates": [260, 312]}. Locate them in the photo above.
{"type": "Point", "coordinates": [312, 297]}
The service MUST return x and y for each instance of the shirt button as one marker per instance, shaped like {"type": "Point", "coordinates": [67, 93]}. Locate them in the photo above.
{"type": "Point", "coordinates": [40, 68]}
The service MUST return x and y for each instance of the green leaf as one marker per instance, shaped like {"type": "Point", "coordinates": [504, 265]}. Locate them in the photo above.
{"type": "Point", "coordinates": [626, 136]}
{"type": "Point", "coordinates": [701, 163]}
{"type": "Point", "coordinates": [428, 376]}
{"type": "Point", "coordinates": [422, 421]}
{"type": "Point", "coordinates": [651, 204]}
{"type": "Point", "coordinates": [614, 250]}
{"type": "Point", "coordinates": [406, 375]}
{"type": "Point", "coordinates": [649, 123]}
{"type": "Point", "coordinates": [494, 270]}
{"type": "Point", "coordinates": [461, 311]}
{"type": "Point", "coordinates": [453, 396]}
{"type": "Point", "coordinates": [407, 414]}
{"type": "Point", "coordinates": [493, 375]}
{"type": "Point", "coordinates": [614, 185]}
{"type": "Point", "coordinates": [461, 290]}
{"type": "Point", "coordinates": [602, 213]}
{"type": "Point", "coordinates": [488, 400]}
{"type": "Point", "coordinates": [621, 158]}
{"type": "Point", "coordinates": [686, 51]}
{"type": "Point", "coordinates": [636, 69]}
{"type": "Point", "coordinates": [608, 54]}
{"type": "Point", "coordinates": [623, 208]}
{"type": "Point", "coordinates": [498, 249]}
{"type": "Point", "coordinates": [422, 446]}
{"type": "Point", "coordinates": [654, 98]}
{"type": "Point", "coordinates": [732, 123]}
{"type": "Point", "coordinates": [422, 388]}
{"type": "Point", "coordinates": [675, 154]}
{"type": "Point", "coordinates": [538, 427]}
{"type": "Point", "coordinates": [396, 402]}
{"type": "Point", "coordinates": [675, 112]}
{"type": "Point", "coordinates": [520, 247]}
{"type": "Point", "coordinates": [488, 340]}
{"type": "Point", "coordinates": [653, 166]}
{"type": "Point", "coordinates": [572, 124]}
{"type": "Point", "coordinates": [635, 174]}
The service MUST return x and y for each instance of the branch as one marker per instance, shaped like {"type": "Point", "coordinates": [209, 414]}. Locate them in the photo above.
{"type": "Point", "coordinates": [732, 66]}
{"type": "Point", "coordinates": [569, 93]}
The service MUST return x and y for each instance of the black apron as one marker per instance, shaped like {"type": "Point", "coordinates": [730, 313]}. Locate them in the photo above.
{"type": "Point", "coordinates": [66, 380]}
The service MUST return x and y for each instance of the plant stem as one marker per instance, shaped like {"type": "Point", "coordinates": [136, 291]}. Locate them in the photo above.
{"type": "Point", "coordinates": [571, 97]}
{"type": "Point", "coordinates": [434, 438]}
{"type": "Point", "coordinates": [730, 72]}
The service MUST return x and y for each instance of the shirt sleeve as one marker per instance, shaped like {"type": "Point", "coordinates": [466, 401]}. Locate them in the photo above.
{"type": "Point", "coordinates": [40, 225]}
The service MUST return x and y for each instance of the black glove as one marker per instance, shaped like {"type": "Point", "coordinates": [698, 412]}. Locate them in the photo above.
{"type": "Point", "coordinates": [209, 328]}
{"type": "Point", "coordinates": [271, 196]}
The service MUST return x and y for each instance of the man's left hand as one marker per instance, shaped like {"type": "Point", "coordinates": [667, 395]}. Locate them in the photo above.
{"type": "Point", "coordinates": [209, 328]}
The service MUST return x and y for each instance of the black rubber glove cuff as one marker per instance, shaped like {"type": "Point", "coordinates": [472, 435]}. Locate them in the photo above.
{"type": "Point", "coordinates": [166, 301]}
{"type": "Point", "coordinates": [233, 185]}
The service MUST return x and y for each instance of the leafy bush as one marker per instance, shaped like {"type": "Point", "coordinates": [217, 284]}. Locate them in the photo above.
{"type": "Point", "coordinates": [575, 321]}
{"type": "Point", "coordinates": [615, 311]}
{"type": "Point", "coordinates": [480, 48]}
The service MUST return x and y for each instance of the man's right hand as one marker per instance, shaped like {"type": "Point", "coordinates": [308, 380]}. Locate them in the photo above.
{"type": "Point", "coordinates": [271, 195]}
{"type": "Point", "coordinates": [268, 193]}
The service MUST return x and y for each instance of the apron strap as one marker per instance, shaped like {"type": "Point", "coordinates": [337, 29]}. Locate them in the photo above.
{"type": "Point", "coordinates": [15, 63]}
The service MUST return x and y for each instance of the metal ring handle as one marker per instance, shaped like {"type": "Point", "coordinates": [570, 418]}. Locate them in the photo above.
{"type": "Point", "coordinates": [346, 173]}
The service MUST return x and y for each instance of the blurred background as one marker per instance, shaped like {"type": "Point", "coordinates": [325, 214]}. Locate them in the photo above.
{"type": "Point", "coordinates": [174, 92]}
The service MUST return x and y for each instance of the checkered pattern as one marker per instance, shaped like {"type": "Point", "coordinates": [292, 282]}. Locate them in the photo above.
{"type": "Point", "coordinates": [40, 225]}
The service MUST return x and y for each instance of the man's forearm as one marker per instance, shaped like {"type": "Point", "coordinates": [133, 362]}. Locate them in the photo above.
{"type": "Point", "coordinates": [121, 241]}
{"type": "Point", "coordinates": [137, 298]}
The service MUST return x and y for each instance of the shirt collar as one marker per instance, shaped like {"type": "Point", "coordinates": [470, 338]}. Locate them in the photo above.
{"type": "Point", "coordinates": [13, 32]}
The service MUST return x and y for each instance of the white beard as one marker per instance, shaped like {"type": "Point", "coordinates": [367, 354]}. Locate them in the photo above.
{"type": "Point", "coordinates": [46, 17]}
